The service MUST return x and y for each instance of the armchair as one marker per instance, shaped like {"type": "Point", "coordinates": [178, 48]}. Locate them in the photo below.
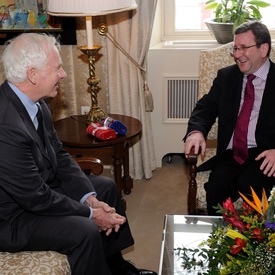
{"type": "Point", "coordinates": [210, 62]}
{"type": "Point", "coordinates": [44, 262]}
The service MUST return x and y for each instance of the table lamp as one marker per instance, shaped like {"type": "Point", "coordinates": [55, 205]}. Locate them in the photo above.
{"type": "Point", "coordinates": [89, 8]}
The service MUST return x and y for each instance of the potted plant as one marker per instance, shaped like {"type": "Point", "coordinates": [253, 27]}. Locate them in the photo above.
{"type": "Point", "coordinates": [229, 14]}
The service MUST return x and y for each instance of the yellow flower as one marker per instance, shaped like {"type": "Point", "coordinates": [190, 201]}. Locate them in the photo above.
{"type": "Point", "coordinates": [271, 239]}
{"type": "Point", "coordinates": [233, 234]}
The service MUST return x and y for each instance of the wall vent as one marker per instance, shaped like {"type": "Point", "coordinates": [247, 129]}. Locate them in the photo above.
{"type": "Point", "coordinates": [180, 97]}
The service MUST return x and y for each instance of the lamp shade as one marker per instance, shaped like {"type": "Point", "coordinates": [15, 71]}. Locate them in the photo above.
{"type": "Point", "coordinates": [88, 7]}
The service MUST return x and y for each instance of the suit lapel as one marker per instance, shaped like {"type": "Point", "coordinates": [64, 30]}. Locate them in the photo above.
{"type": "Point", "coordinates": [25, 116]}
{"type": "Point", "coordinates": [235, 89]}
{"type": "Point", "coordinates": [21, 110]}
{"type": "Point", "coordinates": [237, 86]}
{"type": "Point", "coordinates": [268, 96]}
{"type": "Point", "coordinates": [231, 82]}
{"type": "Point", "coordinates": [46, 124]}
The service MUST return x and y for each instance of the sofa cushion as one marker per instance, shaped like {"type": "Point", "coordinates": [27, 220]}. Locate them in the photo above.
{"type": "Point", "coordinates": [34, 263]}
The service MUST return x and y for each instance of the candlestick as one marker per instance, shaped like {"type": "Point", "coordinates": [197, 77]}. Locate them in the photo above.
{"type": "Point", "coordinates": [89, 32]}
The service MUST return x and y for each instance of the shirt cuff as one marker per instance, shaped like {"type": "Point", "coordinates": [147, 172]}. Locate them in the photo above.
{"type": "Point", "coordinates": [193, 132]}
{"type": "Point", "coordinates": [83, 199]}
{"type": "Point", "coordinates": [91, 212]}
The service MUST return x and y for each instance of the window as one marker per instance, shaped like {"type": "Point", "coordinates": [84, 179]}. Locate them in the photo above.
{"type": "Point", "coordinates": [184, 19]}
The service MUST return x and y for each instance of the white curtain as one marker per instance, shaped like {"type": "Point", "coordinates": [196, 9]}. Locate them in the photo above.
{"type": "Point", "coordinates": [127, 77]}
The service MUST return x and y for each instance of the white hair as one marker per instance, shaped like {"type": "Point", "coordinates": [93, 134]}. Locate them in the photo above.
{"type": "Point", "coordinates": [24, 51]}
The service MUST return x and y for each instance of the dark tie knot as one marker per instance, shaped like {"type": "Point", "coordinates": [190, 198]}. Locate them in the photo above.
{"type": "Point", "coordinates": [39, 115]}
{"type": "Point", "coordinates": [250, 77]}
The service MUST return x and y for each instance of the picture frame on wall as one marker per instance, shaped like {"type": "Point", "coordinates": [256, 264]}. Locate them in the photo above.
{"type": "Point", "coordinates": [17, 16]}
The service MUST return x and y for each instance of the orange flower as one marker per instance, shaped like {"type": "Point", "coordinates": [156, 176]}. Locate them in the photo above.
{"type": "Point", "coordinates": [257, 204]}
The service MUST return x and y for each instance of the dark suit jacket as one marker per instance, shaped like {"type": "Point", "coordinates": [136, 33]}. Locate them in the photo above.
{"type": "Point", "coordinates": [29, 173]}
{"type": "Point", "coordinates": [223, 101]}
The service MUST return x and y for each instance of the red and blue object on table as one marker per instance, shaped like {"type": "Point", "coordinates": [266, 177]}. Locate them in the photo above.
{"type": "Point", "coordinates": [101, 132]}
{"type": "Point", "coordinates": [114, 124]}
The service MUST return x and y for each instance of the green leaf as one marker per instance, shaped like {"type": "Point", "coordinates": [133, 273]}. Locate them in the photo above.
{"type": "Point", "coordinates": [270, 210]}
{"type": "Point", "coordinates": [236, 11]}
{"type": "Point", "coordinates": [211, 6]}
{"type": "Point", "coordinates": [260, 4]}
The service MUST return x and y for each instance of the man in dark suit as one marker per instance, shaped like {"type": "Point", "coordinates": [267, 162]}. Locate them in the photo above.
{"type": "Point", "coordinates": [46, 201]}
{"type": "Point", "coordinates": [252, 45]}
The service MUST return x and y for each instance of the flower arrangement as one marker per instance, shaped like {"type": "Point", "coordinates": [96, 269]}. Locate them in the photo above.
{"type": "Point", "coordinates": [244, 245]}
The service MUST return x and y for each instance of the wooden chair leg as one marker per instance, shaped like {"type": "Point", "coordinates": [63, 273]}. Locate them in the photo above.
{"type": "Point", "coordinates": [192, 187]}
{"type": "Point", "coordinates": [192, 191]}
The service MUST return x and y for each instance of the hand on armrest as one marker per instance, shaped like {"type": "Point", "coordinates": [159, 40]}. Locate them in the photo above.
{"type": "Point", "coordinates": [195, 143]}
{"type": "Point", "coordinates": [192, 157]}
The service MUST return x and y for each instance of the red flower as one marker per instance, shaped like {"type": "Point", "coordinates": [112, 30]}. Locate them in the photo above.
{"type": "Point", "coordinates": [257, 235]}
{"type": "Point", "coordinates": [247, 209]}
{"type": "Point", "coordinates": [231, 216]}
{"type": "Point", "coordinates": [229, 206]}
{"type": "Point", "coordinates": [238, 246]}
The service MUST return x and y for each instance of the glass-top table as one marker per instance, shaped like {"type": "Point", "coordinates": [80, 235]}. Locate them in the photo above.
{"type": "Point", "coordinates": [178, 231]}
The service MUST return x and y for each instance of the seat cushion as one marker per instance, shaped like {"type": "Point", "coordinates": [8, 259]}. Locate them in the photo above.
{"type": "Point", "coordinates": [34, 263]}
{"type": "Point", "coordinates": [202, 178]}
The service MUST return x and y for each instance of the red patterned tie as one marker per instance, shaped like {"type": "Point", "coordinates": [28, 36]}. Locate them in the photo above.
{"type": "Point", "coordinates": [240, 150]}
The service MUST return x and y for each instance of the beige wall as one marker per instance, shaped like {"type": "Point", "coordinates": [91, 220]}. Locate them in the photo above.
{"type": "Point", "coordinates": [74, 89]}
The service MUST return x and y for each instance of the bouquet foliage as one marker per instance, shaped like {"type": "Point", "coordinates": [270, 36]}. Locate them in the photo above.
{"type": "Point", "coordinates": [245, 245]}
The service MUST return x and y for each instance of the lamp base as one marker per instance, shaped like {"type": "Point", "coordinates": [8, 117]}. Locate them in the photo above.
{"type": "Point", "coordinates": [95, 114]}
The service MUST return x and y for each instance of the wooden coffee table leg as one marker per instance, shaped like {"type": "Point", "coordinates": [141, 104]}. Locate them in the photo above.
{"type": "Point", "coordinates": [118, 178]}
{"type": "Point", "coordinates": [127, 181]}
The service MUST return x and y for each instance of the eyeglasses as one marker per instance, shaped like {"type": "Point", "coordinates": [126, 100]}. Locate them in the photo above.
{"type": "Point", "coordinates": [241, 49]}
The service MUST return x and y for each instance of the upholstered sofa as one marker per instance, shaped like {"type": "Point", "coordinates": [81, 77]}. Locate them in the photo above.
{"type": "Point", "coordinates": [44, 262]}
{"type": "Point", "coordinates": [34, 263]}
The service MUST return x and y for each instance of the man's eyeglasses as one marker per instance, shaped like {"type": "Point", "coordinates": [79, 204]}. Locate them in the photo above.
{"type": "Point", "coordinates": [241, 49]}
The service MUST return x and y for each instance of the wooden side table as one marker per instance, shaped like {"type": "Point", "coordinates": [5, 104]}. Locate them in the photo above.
{"type": "Point", "coordinates": [72, 132]}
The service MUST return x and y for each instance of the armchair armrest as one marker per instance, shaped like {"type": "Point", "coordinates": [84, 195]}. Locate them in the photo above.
{"type": "Point", "coordinates": [89, 164]}
{"type": "Point", "coordinates": [192, 187]}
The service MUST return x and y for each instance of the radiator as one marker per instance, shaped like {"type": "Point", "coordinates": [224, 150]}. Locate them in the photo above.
{"type": "Point", "coordinates": [180, 95]}
{"type": "Point", "coordinates": [173, 102]}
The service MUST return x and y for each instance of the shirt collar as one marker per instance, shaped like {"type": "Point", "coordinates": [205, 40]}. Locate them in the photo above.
{"type": "Point", "coordinates": [263, 70]}
{"type": "Point", "coordinates": [30, 106]}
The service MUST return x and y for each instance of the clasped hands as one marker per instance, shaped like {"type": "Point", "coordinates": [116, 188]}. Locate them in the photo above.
{"type": "Point", "coordinates": [105, 216]}
{"type": "Point", "coordinates": [197, 141]}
